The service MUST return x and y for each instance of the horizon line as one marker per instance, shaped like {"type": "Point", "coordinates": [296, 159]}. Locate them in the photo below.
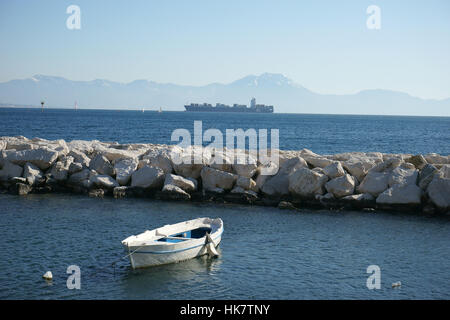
{"type": "Point", "coordinates": [156, 111]}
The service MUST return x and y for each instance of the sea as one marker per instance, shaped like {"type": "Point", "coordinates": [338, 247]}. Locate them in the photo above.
{"type": "Point", "coordinates": [266, 253]}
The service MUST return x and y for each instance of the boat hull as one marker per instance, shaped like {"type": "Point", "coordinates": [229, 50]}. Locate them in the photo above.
{"type": "Point", "coordinates": [147, 256]}
{"type": "Point", "coordinates": [174, 243]}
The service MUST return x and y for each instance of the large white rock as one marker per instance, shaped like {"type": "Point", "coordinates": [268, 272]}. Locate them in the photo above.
{"type": "Point", "coordinates": [32, 173]}
{"type": "Point", "coordinates": [186, 184]}
{"type": "Point", "coordinates": [124, 168]}
{"type": "Point", "coordinates": [82, 178]}
{"type": "Point", "coordinates": [60, 169]}
{"type": "Point", "coordinates": [426, 175]}
{"type": "Point", "coordinates": [10, 170]}
{"type": "Point", "coordinates": [246, 183]}
{"type": "Point", "coordinates": [159, 158]}
{"type": "Point", "coordinates": [175, 193]}
{"type": "Point", "coordinates": [80, 157]}
{"type": "Point", "coordinates": [104, 181]}
{"type": "Point", "coordinates": [445, 171]}
{"type": "Point", "coordinates": [278, 185]}
{"type": "Point", "coordinates": [189, 162]}
{"type": "Point", "coordinates": [439, 192]}
{"type": "Point", "coordinates": [113, 154]}
{"type": "Point", "coordinates": [213, 178]}
{"type": "Point", "coordinates": [373, 156]}
{"type": "Point", "coordinates": [319, 161]}
{"type": "Point", "coordinates": [42, 157]}
{"type": "Point", "coordinates": [401, 176]}
{"type": "Point", "coordinates": [3, 145]}
{"type": "Point", "coordinates": [388, 165]}
{"type": "Point", "coordinates": [401, 193]}
{"type": "Point", "coordinates": [240, 190]}
{"type": "Point", "coordinates": [18, 143]}
{"type": "Point", "coordinates": [435, 158]}
{"type": "Point", "coordinates": [102, 165]}
{"type": "Point", "coordinates": [334, 170]}
{"type": "Point", "coordinates": [306, 183]}
{"type": "Point", "coordinates": [247, 167]}
{"type": "Point", "coordinates": [358, 167]}
{"type": "Point", "coordinates": [148, 177]}
{"type": "Point", "coordinates": [82, 146]}
{"type": "Point", "coordinates": [221, 161]}
{"type": "Point", "coordinates": [374, 183]}
{"type": "Point", "coordinates": [341, 186]}
{"type": "Point", "coordinates": [418, 161]}
{"type": "Point", "coordinates": [75, 167]}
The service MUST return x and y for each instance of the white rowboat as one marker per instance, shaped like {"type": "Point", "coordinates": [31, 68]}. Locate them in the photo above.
{"type": "Point", "coordinates": [175, 242]}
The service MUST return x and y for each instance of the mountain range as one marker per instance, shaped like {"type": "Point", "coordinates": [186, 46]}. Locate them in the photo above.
{"type": "Point", "coordinates": [273, 89]}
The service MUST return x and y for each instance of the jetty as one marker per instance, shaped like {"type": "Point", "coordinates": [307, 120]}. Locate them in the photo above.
{"type": "Point", "coordinates": [365, 181]}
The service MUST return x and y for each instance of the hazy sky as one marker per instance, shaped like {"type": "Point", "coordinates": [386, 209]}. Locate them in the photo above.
{"type": "Point", "coordinates": [322, 45]}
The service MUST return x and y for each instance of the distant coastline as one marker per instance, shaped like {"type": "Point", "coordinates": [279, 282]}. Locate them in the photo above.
{"type": "Point", "coordinates": [273, 89]}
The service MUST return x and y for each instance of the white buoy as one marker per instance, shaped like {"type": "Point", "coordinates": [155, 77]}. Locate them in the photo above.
{"type": "Point", "coordinates": [396, 284]}
{"type": "Point", "coordinates": [48, 275]}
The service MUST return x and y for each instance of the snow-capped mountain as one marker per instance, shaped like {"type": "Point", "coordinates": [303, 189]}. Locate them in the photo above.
{"type": "Point", "coordinates": [267, 88]}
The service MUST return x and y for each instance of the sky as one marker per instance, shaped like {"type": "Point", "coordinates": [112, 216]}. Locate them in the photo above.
{"type": "Point", "coordinates": [324, 46]}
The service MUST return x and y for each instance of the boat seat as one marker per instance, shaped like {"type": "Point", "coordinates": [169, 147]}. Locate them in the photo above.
{"type": "Point", "coordinates": [178, 238]}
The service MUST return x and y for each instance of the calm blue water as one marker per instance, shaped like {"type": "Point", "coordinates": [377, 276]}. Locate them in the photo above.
{"type": "Point", "coordinates": [325, 134]}
{"type": "Point", "coordinates": [266, 253]}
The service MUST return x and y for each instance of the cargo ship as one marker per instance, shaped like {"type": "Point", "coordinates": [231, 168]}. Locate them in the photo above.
{"type": "Point", "coordinates": [219, 107]}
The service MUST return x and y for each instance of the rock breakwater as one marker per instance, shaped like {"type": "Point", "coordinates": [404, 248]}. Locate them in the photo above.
{"type": "Point", "coordinates": [353, 180]}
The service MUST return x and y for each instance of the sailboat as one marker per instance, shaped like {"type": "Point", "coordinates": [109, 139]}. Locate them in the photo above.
{"type": "Point", "coordinates": [143, 110]}
{"type": "Point", "coordinates": [76, 106]}
{"type": "Point", "coordinates": [160, 110]}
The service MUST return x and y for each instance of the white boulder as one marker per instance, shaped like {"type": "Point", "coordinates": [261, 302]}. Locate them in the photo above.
{"type": "Point", "coordinates": [334, 170]}
{"type": "Point", "coordinates": [402, 176]}
{"type": "Point", "coordinates": [80, 157]}
{"type": "Point", "coordinates": [159, 158]}
{"type": "Point", "coordinates": [306, 183]}
{"type": "Point", "coordinates": [401, 193]}
{"type": "Point", "coordinates": [185, 184]}
{"type": "Point", "coordinates": [148, 177]}
{"type": "Point", "coordinates": [60, 169]}
{"type": "Point", "coordinates": [426, 175]}
{"type": "Point", "coordinates": [245, 165]}
{"type": "Point", "coordinates": [213, 178]}
{"type": "Point", "coordinates": [246, 183]}
{"type": "Point", "coordinates": [124, 168]}
{"type": "Point", "coordinates": [341, 186]}
{"type": "Point", "coordinates": [32, 173]}
{"type": "Point", "coordinates": [278, 184]}
{"type": "Point", "coordinates": [358, 167]}
{"type": "Point", "coordinates": [374, 183]}
{"type": "Point", "coordinates": [104, 181]}
{"type": "Point", "coordinates": [435, 158]}
{"type": "Point", "coordinates": [10, 170]}
{"type": "Point", "coordinates": [175, 193]}
{"type": "Point", "coordinates": [101, 165]}
{"type": "Point", "coordinates": [43, 157]}
{"type": "Point", "coordinates": [439, 192]}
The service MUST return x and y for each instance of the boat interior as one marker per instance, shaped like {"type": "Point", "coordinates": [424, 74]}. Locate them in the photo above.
{"type": "Point", "coordinates": [186, 235]}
